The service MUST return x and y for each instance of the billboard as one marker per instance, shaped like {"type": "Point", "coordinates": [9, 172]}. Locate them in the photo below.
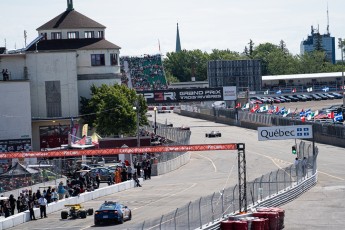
{"type": "Point", "coordinates": [183, 95]}
{"type": "Point", "coordinates": [15, 145]}
{"type": "Point", "coordinates": [285, 132]}
{"type": "Point", "coordinates": [229, 93]}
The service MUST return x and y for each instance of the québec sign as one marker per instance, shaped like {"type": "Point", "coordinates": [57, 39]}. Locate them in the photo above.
{"type": "Point", "coordinates": [285, 132]}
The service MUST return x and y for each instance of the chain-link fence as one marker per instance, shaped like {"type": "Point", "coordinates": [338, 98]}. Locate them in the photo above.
{"type": "Point", "coordinates": [208, 209]}
{"type": "Point", "coordinates": [22, 175]}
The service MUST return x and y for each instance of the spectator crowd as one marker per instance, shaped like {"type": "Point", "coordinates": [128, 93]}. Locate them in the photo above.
{"type": "Point", "coordinates": [146, 73]}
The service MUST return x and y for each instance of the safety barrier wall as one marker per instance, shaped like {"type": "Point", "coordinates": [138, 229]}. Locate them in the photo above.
{"type": "Point", "coordinates": [168, 166]}
{"type": "Point", "coordinates": [56, 206]}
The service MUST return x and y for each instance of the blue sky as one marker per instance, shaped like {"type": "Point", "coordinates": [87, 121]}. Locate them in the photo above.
{"type": "Point", "coordinates": [137, 25]}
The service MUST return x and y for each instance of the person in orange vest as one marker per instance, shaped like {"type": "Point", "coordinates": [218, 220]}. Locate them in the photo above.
{"type": "Point", "coordinates": [118, 175]}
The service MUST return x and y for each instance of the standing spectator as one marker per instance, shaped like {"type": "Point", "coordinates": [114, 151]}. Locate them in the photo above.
{"type": "Point", "coordinates": [12, 201]}
{"type": "Point", "coordinates": [304, 166]}
{"type": "Point", "coordinates": [148, 165]}
{"type": "Point", "coordinates": [43, 206]}
{"type": "Point", "coordinates": [118, 175]}
{"type": "Point", "coordinates": [124, 174]}
{"type": "Point", "coordinates": [31, 208]}
{"type": "Point", "coordinates": [61, 190]}
{"type": "Point", "coordinates": [19, 204]}
{"type": "Point", "coordinates": [54, 195]}
{"type": "Point", "coordinates": [48, 195]}
{"type": "Point", "coordinates": [129, 172]}
{"type": "Point", "coordinates": [6, 208]}
{"type": "Point", "coordinates": [98, 180]}
{"type": "Point", "coordinates": [38, 194]}
{"type": "Point", "coordinates": [138, 167]}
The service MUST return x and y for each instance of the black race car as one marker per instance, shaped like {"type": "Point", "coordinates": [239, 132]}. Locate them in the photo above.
{"type": "Point", "coordinates": [112, 212]}
{"type": "Point", "coordinates": [213, 134]}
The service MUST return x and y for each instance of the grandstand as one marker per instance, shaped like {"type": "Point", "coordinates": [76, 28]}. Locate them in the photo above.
{"type": "Point", "coordinates": [143, 73]}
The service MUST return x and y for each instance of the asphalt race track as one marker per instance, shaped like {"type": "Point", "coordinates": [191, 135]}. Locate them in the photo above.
{"type": "Point", "coordinates": [208, 172]}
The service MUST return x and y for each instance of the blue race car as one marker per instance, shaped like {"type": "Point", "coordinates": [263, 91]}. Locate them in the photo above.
{"type": "Point", "coordinates": [112, 212]}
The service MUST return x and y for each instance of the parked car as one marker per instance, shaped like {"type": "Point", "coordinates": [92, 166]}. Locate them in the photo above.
{"type": "Point", "coordinates": [112, 168]}
{"type": "Point", "coordinates": [112, 212]}
{"type": "Point", "coordinates": [219, 105]}
{"type": "Point", "coordinates": [213, 134]}
{"type": "Point", "coordinates": [282, 100]}
{"type": "Point", "coordinates": [275, 100]}
{"type": "Point", "coordinates": [285, 98]}
{"type": "Point", "coordinates": [315, 97]}
{"type": "Point", "coordinates": [337, 95]}
{"type": "Point", "coordinates": [103, 172]}
{"type": "Point", "coordinates": [323, 97]}
{"type": "Point", "coordinates": [308, 97]}
{"type": "Point", "coordinates": [292, 98]}
{"type": "Point", "coordinates": [254, 100]}
{"type": "Point", "coordinates": [330, 96]}
{"type": "Point", "coordinates": [301, 98]}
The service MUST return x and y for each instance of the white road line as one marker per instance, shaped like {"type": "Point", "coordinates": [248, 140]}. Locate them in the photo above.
{"type": "Point", "coordinates": [273, 160]}
{"type": "Point", "coordinates": [193, 185]}
{"type": "Point", "coordinates": [214, 166]}
{"type": "Point", "coordinates": [339, 178]}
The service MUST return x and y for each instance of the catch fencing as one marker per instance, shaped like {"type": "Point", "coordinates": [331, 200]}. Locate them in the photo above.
{"type": "Point", "coordinates": [208, 210]}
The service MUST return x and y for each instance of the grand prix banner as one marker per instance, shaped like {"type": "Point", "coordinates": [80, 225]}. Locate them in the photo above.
{"type": "Point", "coordinates": [115, 151]}
{"type": "Point", "coordinates": [183, 95]}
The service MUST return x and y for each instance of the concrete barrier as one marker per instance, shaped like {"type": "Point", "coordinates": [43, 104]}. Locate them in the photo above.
{"type": "Point", "coordinates": [23, 217]}
{"type": "Point", "coordinates": [168, 166]}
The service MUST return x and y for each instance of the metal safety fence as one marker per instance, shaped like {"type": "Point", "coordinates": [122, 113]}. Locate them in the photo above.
{"type": "Point", "coordinates": [209, 209]}
{"type": "Point", "coordinates": [23, 175]}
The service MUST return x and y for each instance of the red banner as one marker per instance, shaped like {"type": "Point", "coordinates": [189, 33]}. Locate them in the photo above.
{"type": "Point", "coordinates": [115, 151]}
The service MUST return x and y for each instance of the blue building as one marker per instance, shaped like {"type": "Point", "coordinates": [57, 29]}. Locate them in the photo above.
{"type": "Point", "coordinates": [327, 42]}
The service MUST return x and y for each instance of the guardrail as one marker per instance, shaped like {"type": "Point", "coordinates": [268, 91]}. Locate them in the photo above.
{"type": "Point", "coordinates": [281, 198]}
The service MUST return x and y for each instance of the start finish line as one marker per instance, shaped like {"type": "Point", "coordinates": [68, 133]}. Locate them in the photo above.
{"type": "Point", "coordinates": [115, 151]}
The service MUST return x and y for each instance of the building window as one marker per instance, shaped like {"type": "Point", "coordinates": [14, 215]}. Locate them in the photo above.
{"type": "Point", "coordinates": [100, 34]}
{"type": "Point", "coordinates": [53, 98]}
{"type": "Point", "coordinates": [97, 60]}
{"type": "Point", "coordinates": [89, 34]}
{"type": "Point", "coordinates": [56, 35]}
{"type": "Point", "coordinates": [73, 35]}
{"type": "Point", "coordinates": [113, 59]}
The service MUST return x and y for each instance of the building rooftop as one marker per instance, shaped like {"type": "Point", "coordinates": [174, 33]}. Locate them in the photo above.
{"type": "Point", "coordinates": [70, 19]}
{"type": "Point", "coordinates": [73, 44]}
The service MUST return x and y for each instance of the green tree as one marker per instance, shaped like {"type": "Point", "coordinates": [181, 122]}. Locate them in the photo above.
{"type": "Point", "coordinates": [110, 110]}
{"type": "Point", "coordinates": [183, 65]}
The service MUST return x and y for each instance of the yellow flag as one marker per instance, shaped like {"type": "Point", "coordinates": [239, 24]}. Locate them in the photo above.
{"type": "Point", "coordinates": [84, 131]}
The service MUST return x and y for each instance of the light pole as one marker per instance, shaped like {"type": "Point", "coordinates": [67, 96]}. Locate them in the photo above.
{"type": "Point", "coordinates": [138, 125]}
{"type": "Point", "coordinates": [341, 46]}
{"type": "Point", "coordinates": [155, 128]}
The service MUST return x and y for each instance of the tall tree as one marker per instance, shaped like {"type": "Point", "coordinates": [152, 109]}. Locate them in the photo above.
{"type": "Point", "coordinates": [110, 110]}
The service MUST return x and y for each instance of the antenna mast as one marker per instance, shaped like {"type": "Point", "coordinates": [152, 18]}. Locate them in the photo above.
{"type": "Point", "coordinates": [327, 20]}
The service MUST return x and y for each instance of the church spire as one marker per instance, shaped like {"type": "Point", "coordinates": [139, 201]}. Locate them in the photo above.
{"type": "Point", "coordinates": [178, 42]}
{"type": "Point", "coordinates": [70, 5]}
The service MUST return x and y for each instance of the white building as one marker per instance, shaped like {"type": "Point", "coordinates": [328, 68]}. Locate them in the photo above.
{"type": "Point", "coordinates": [69, 55]}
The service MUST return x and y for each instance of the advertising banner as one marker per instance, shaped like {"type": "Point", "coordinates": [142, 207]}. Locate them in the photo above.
{"type": "Point", "coordinates": [285, 132]}
{"type": "Point", "coordinates": [183, 95]}
{"type": "Point", "coordinates": [229, 93]}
